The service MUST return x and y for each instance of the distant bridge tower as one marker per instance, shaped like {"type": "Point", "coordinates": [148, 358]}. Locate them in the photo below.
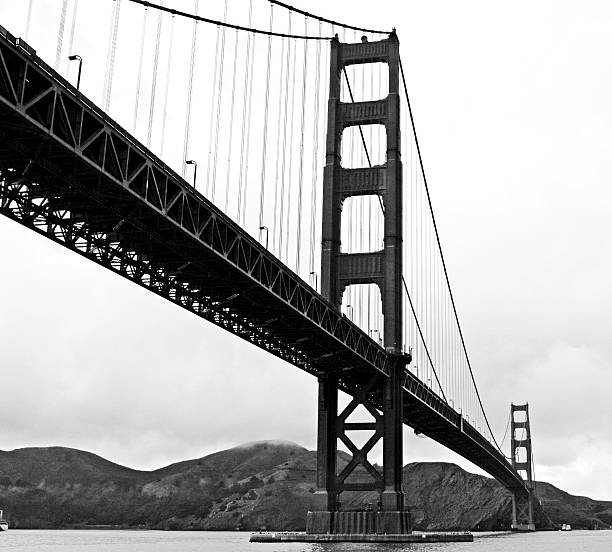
{"type": "Point", "coordinates": [522, 503]}
{"type": "Point", "coordinates": [380, 395]}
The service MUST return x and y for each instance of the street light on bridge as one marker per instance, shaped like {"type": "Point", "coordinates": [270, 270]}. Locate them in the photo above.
{"type": "Point", "coordinates": [316, 280]}
{"type": "Point", "coordinates": [76, 57]}
{"type": "Point", "coordinates": [261, 229]}
{"type": "Point", "coordinates": [195, 169]}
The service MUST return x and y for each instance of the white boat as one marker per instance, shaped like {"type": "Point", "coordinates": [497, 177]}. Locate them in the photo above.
{"type": "Point", "coordinates": [3, 522]}
{"type": "Point", "coordinates": [566, 527]}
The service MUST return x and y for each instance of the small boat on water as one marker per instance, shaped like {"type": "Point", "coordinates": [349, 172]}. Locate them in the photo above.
{"type": "Point", "coordinates": [3, 522]}
{"type": "Point", "coordinates": [566, 527]}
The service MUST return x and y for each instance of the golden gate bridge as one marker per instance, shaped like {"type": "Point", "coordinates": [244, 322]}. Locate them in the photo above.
{"type": "Point", "coordinates": [259, 166]}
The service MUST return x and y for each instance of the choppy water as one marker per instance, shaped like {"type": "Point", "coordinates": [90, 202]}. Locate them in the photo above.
{"type": "Point", "coordinates": [161, 541]}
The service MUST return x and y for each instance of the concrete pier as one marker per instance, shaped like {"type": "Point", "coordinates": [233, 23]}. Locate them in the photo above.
{"type": "Point", "coordinates": [370, 537]}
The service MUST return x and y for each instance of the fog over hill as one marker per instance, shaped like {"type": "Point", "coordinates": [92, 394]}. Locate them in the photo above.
{"type": "Point", "coordinates": [264, 484]}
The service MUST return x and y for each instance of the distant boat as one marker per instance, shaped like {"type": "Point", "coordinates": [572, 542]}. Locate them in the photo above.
{"type": "Point", "coordinates": [3, 522]}
{"type": "Point", "coordinates": [566, 527]}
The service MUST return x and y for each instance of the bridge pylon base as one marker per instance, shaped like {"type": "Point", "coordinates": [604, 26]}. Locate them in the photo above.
{"type": "Point", "coordinates": [522, 513]}
{"type": "Point", "coordinates": [524, 528]}
{"type": "Point", "coordinates": [360, 522]}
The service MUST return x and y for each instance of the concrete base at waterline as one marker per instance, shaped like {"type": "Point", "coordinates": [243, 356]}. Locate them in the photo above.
{"type": "Point", "coordinates": [524, 527]}
{"type": "Point", "coordinates": [369, 537]}
{"type": "Point", "coordinates": [359, 522]}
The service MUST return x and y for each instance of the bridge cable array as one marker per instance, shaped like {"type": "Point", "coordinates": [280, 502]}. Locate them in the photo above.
{"type": "Point", "coordinates": [439, 244]}
{"type": "Point", "coordinates": [269, 85]}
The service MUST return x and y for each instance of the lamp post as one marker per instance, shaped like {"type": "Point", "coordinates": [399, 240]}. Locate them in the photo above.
{"type": "Point", "coordinates": [261, 229]}
{"type": "Point", "coordinates": [76, 57]}
{"type": "Point", "coordinates": [316, 280]}
{"type": "Point", "coordinates": [195, 169]}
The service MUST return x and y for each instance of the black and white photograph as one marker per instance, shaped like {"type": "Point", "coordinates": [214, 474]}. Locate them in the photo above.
{"type": "Point", "coordinates": [305, 276]}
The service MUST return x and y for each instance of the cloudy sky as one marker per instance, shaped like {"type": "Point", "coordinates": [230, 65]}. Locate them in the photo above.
{"type": "Point", "coordinates": [512, 105]}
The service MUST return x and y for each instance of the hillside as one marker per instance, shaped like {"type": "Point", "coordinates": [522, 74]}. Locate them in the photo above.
{"type": "Point", "coordinates": [266, 484]}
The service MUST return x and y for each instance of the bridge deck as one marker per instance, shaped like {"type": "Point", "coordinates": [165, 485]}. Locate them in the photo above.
{"type": "Point", "coordinates": [72, 174]}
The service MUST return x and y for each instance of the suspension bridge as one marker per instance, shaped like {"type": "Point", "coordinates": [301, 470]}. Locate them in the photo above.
{"type": "Point", "coordinates": [212, 153]}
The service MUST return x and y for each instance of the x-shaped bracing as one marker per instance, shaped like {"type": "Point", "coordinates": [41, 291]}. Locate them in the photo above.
{"type": "Point", "coordinates": [360, 455]}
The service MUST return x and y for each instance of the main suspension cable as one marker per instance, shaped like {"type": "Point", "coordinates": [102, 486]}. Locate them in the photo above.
{"type": "Point", "coordinates": [224, 23]}
{"type": "Point", "coordinates": [435, 226]}
{"type": "Point", "coordinates": [423, 339]}
{"type": "Point", "coordinates": [506, 432]}
{"type": "Point", "coordinates": [325, 20]}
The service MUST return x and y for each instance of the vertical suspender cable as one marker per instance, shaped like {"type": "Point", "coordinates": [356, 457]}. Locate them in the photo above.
{"type": "Point", "coordinates": [112, 49]}
{"type": "Point", "coordinates": [60, 35]}
{"type": "Point", "coordinates": [315, 152]}
{"type": "Point", "coordinates": [248, 134]}
{"type": "Point", "coordinates": [75, 7]}
{"type": "Point", "coordinates": [108, 49]}
{"type": "Point", "coordinates": [211, 122]}
{"type": "Point", "coordinates": [231, 124]}
{"type": "Point", "coordinates": [284, 147]}
{"type": "Point", "coordinates": [154, 79]}
{"type": "Point", "coordinates": [301, 165]}
{"type": "Point", "coordinates": [246, 96]}
{"type": "Point", "coordinates": [168, 69]}
{"type": "Point", "coordinates": [262, 187]}
{"type": "Point", "coordinates": [276, 220]}
{"type": "Point", "coordinates": [290, 176]}
{"type": "Point", "coordinates": [194, 39]}
{"type": "Point", "coordinates": [213, 183]}
{"type": "Point", "coordinates": [28, 20]}
{"type": "Point", "coordinates": [139, 77]}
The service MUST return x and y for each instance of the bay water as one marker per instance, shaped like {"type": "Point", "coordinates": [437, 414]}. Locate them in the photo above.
{"type": "Point", "coordinates": [189, 541]}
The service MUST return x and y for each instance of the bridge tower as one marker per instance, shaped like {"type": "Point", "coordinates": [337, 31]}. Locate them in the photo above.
{"type": "Point", "coordinates": [383, 268]}
{"type": "Point", "coordinates": [522, 503]}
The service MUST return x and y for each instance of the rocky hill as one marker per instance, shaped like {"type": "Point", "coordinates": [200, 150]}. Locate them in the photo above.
{"type": "Point", "coordinates": [266, 484]}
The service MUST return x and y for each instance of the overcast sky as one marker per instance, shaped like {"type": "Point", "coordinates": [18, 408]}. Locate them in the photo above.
{"type": "Point", "coordinates": [512, 105]}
